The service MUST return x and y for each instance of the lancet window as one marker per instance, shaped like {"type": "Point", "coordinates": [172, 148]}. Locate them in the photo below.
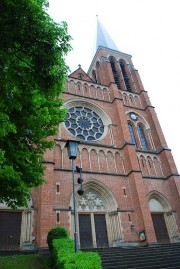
{"type": "Point", "coordinates": [142, 136]}
{"type": "Point", "coordinates": [125, 75]}
{"type": "Point", "coordinates": [131, 131]}
{"type": "Point", "coordinates": [115, 73]}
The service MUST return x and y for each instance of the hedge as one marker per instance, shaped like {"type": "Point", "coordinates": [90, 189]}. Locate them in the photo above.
{"type": "Point", "coordinates": [56, 233]}
{"type": "Point", "coordinates": [65, 258]}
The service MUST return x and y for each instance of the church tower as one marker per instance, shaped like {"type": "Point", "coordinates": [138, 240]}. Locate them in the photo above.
{"type": "Point", "coordinates": [130, 181]}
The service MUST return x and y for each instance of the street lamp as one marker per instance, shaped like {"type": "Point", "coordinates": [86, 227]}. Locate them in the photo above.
{"type": "Point", "coordinates": [72, 148]}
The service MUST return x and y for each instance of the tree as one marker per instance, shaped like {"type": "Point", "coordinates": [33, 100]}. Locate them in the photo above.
{"type": "Point", "coordinates": [32, 76]}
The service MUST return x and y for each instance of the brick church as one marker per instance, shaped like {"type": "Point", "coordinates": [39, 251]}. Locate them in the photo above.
{"type": "Point", "coordinates": [130, 181]}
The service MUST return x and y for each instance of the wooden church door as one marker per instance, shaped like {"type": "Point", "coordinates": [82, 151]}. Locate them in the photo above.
{"type": "Point", "coordinates": [10, 230]}
{"type": "Point", "coordinates": [160, 228]}
{"type": "Point", "coordinates": [101, 230]}
{"type": "Point", "coordinates": [85, 231]}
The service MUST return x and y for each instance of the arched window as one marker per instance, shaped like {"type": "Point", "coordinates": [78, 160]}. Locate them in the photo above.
{"type": "Point", "coordinates": [131, 131]}
{"type": "Point", "coordinates": [143, 137]}
{"type": "Point", "coordinates": [94, 76]}
{"type": "Point", "coordinates": [114, 71]}
{"type": "Point", "coordinates": [125, 75]}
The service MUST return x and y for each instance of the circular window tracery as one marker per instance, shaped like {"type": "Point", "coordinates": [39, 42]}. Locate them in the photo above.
{"type": "Point", "coordinates": [84, 123]}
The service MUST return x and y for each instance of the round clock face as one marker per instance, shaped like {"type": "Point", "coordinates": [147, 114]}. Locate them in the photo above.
{"type": "Point", "coordinates": [133, 116]}
{"type": "Point", "coordinates": [84, 123]}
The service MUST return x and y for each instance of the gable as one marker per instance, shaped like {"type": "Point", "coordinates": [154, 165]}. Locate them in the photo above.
{"type": "Point", "coordinates": [80, 74]}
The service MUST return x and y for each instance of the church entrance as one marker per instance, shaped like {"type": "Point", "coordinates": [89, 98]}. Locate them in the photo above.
{"type": "Point", "coordinates": [98, 230]}
{"type": "Point", "coordinates": [160, 228]}
{"type": "Point", "coordinates": [10, 230]}
{"type": "Point", "coordinates": [163, 218]}
{"type": "Point", "coordinates": [98, 222]}
{"type": "Point", "coordinates": [16, 227]}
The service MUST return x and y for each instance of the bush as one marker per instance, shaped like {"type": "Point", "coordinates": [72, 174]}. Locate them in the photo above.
{"type": "Point", "coordinates": [56, 233]}
{"type": "Point", "coordinates": [88, 260]}
{"type": "Point", "coordinates": [65, 257]}
{"type": "Point", "coordinates": [64, 253]}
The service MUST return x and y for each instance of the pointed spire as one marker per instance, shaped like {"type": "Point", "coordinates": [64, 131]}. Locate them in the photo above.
{"type": "Point", "coordinates": [103, 38]}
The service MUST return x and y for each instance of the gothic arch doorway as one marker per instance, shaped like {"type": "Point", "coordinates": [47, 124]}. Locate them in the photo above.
{"type": "Point", "coordinates": [163, 218]}
{"type": "Point", "coordinates": [16, 227]}
{"type": "Point", "coordinates": [97, 218]}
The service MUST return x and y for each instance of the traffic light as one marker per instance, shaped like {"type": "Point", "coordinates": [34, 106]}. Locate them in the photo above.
{"type": "Point", "coordinates": [80, 181]}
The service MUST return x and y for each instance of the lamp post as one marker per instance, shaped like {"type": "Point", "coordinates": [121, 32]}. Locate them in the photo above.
{"type": "Point", "coordinates": [72, 148]}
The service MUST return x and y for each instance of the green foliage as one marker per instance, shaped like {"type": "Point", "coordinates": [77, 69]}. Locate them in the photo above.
{"type": "Point", "coordinates": [88, 260]}
{"type": "Point", "coordinates": [46, 261]}
{"type": "Point", "coordinates": [56, 233]}
{"type": "Point", "coordinates": [65, 257]}
{"type": "Point", "coordinates": [32, 77]}
{"type": "Point", "coordinates": [63, 252]}
{"type": "Point", "coordinates": [30, 261]}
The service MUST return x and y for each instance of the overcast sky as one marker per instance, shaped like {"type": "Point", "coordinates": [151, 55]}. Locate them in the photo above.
{"type": "Point", "coordinates": [149, 30]}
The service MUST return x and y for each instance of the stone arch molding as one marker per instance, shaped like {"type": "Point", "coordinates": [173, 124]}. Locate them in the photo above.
{"type": "Point", "coordinates": [140, 119]}
{"type": "Point", "coordinates": [96, 198]}
{"type": "Point", "coordinates": [89, 104]}
{"type": "Point", "coordinates": [162, 205]}
{"type": "Point", "coordinates": [3, 206]}
{"type": "Point", "coordinates": [161, 199]}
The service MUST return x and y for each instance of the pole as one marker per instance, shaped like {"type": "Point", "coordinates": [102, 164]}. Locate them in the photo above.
{"type": "Point", "coordinates": [74, 202]}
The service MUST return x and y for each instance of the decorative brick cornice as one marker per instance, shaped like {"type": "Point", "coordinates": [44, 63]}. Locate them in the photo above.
{"type": "Point", "coordinates": [87, 97]}
{"type": "Point", "coordinates": [91, 144]}
{"type": "Point", "coordinates": [161, 178]}
{"type": "Point", "coordinates": [153, 152]}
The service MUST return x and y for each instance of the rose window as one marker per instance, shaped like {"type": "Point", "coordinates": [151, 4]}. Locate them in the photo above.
{"type": "Point", "coordinates": [84, 123]}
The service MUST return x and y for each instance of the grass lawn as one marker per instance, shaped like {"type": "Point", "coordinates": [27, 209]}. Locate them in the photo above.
{"type": "Point", "coordinates": [30, 261]}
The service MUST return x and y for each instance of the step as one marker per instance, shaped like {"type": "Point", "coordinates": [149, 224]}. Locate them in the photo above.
{"type": "Point", "coordinates": [154, 252]}
{"type": "Point", "coordinates": [155, 246]}
{"type": "Point", "coordinates": [162, 265]}
{"type": "Point", "coordinates": [156, 261]}
{"type": "Point", "coordinates": [144, 247]}
{"type": "Point", "coordinates": [138, 254]}
{"type": "Point", "coordinates": [157, 257]}
{"type": "Point", "coordinates": [145, 258]}
{"type": "Point", "coordinates": [154, 257]}
{"type": "Point", "coordinates": [131, 252]}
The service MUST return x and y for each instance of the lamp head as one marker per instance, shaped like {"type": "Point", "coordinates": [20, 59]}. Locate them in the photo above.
{"type": "Point", "coordinates": [72, 147]}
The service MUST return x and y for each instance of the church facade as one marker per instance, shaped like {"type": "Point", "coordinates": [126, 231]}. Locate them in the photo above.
{"type": "Point", "coordinates": [130, 181]}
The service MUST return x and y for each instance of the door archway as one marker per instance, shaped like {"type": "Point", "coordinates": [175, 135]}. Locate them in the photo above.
{"type": "Point", "coordinates": [16, 227]}
{"type": "Point", "coordinates": [97, 218]}
{"type": "Point", "coordinates": [163, 218]}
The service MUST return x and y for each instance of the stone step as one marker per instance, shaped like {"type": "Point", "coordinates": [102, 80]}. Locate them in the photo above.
{"type": "Point", "coordinates": [173, 265]}
{"type": "Point", "coordinates": [145, 248]}
{"type": "Point", "coordinates": [156, 257]}
{"type": "Point", "coordinates": [146, 258]}
{"type": "Point", "coordinates": [140, 253]}
{"type": "Point", "coordinates": [129, 252]}
{"type": "Point", "coordinates": [163, 246]}
{"type": "Point", "coordinates": [138, 262]}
